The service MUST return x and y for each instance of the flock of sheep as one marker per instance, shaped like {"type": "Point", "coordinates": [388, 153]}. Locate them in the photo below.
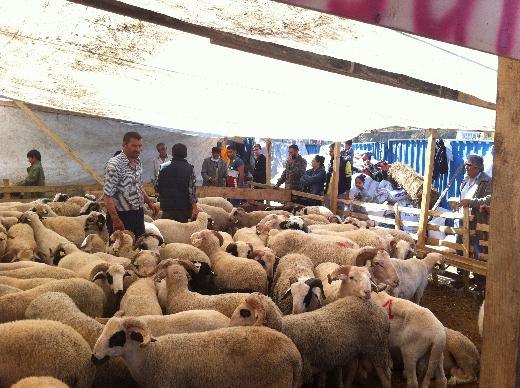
{"type": "Point", "coordinates": [231, 299]}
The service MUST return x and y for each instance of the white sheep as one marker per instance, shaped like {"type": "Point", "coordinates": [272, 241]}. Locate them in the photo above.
{"type": "Point", "coordinates": [346, 280]}
{"type": "Point", "coordinates": [8, 222]}
{"type": "Point", "coordinates": [362, 237]}
{"type": "Point", "coordinates": [461, 358]}
{"type": "Point", "coordinates": [48, 348]}
{"type": "Point", "coordinates": [179, 298]}
{"type": "Point", "coordinates": [20, 244]}
{"type": "Point", "coordinates": [222, 220]}
{"type": "Point", "coordinates": [141, 299]}
{"type": "Point", "coordinates": [240, 249]}
{"type": "Point", "coordinates": [178, 232]}
{"type": "Point", "coordinates": [47, 240]}
{"type": "Point", "coordinates": [229, 356]}
{"type": "Point", "coordinates": [24, 284]}
{"type": "Point", "coordinates": [121, 243]}
{"type": "Point", "coordinates": [321, 210]}
{"type": "Point", "coordinates": [249, 235]}
{"type": "Point", "coordinates": [294, 275]}
{"type": "Point", "coordinates": [40, 382]}
{"type": "Point", "coordinates": [249, 219]}
{"type": "Point", "coordinates": [75, 229]}
{"type": "Point", "coordinates": [94, 243]}
{"type": "Point", "coordinates": [184, 252]}
{"type": "Point", "coordinates": [332, 227]}
{"type": "Point", "coordinates": [150, 241]}
{"type": "Point", "coordinates": [217, 202]}
{"type": "Point", "coordinates": [415, 332]}
{"type": "Point", "coordinates": [37, 271]}
{"type": "Point", "coordinates": [145, 262]}
{"type": "Point", "coordinates": [413, 275]}
{"type": "Point", "coordinates": [400, 249]}
{"type": "Point", "coordinates": [232, 273]}
{"type": "Point", "coordinates": [88, 297]}
{"type": "Point", "coordinates": [330, 337]}
{"type": "Point", "coordinates": [20, 264]}
{"type": "Point", "coordinates": [73, 209]}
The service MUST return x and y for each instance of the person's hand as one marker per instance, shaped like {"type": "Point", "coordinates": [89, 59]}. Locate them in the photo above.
{"type": "Point", "coordinates": [117, 224]}
{"type": "Point", "coordinates": [464, 203]}
{"type": "Point", "coordinates": [154, 207]}
{"type": "Point", "coordinates": [194, 211]}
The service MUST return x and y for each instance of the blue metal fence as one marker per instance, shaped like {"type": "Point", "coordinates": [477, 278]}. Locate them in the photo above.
{"type": "Point", "coordinates": [413, 153]}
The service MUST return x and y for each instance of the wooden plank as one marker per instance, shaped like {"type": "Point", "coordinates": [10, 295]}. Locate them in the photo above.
{"type": "Point", "coordinates": [500, 365]}
{"type": "Point", "coordinates": [50, 189]}
{"type": "Point", "coordinates": [335, 180]}
{"type": "Point", "coordinates": [483, 256]}
{"type": "Point", "coordinates": [242, 193]}
{"type": "Point", "coordinates": [458, 261]}
{"type": "Point", "coordinates": [427, 189]}
{"type": "Point", "coordinates": [445, 229]}
{"type": "Point", "coordinates": [442, 243]}
{"type": "Point", "coordinates": [465, 235]}
{"type": "Point", "coordinates": [397, 217]}
{"type": "Point", "coordinates": [59, 141]}
{"type": "Point", "coordinates": [483, 243]}
{"type": "Point", "coordinates": [307, 195]}
{"type": "Point", "coordinates": [7, 196]}
{"type": "Point", "coordinates": [449, 215]}
{"type": "Point", "coordinates": [288, 54]}
{"type": "Point", "coordinates": [268, 160]}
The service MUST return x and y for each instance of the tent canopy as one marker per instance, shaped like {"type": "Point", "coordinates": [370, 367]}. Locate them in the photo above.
{"type": "Point", "coordinates": [71, 57]}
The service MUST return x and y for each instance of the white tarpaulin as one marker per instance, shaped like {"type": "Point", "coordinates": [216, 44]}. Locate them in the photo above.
{"type": "Point", "coordinates": [71, 57]}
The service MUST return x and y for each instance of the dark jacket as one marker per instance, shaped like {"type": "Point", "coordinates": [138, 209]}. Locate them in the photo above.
{"type": "Point", "coordinates": [343, 185]}
{"type": "Point", "coordinates": [313, 181]}
{"type": "Point", "coordinates": [173, 185]}
{"type": "Point", "coordinates": [292, 173]}
{"type": "Point", "coordinates": [218, 174]}
{"type": "Point", "coordinates": [482, 196]}
{"type": "Point", "coordinates": [259, 170]}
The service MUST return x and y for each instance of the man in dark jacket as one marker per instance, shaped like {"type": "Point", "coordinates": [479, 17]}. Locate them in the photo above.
{"type": "Point", "coordinates": [294, 169]}
{"type": "Point", "coordinates": [176, 187]}
{"type": "Point", "coordinates": [345, 177]}
{"type": "Point", "coordinates": [260, 165]}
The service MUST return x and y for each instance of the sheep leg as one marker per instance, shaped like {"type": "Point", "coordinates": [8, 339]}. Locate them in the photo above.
{"type": "Point", "coordinates": [350, 371]}
{"type": "Point", "coordinates": [418, 295]}
{"type": "Point", "coordinates": [440, 377]}
{"type": "Point", "coordinates": [458, 376]}
{"type": "Point", "coordinates": [410, 369]}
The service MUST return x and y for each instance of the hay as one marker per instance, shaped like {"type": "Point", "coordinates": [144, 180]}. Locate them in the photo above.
{"type": "Point", "coordinates": [411, 182]}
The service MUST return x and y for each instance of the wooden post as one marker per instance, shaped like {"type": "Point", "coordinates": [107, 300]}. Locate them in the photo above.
{"type": "Point", "coordinates": [268, 158]}
{"type": "Point", "coordinates": [501, 346]}
{"type": "Point", "coordinates": [397, 217]}
{"type": "Point", "coordinates": [427, 190]}
{"type": "Point", "coordinates": [466, 230]}
{"type": "Point", "coordinates": [335, 180]}
{"type": "Point", "coordinates": [59, 141]}
{"type": "Point", "coordinates": [7, 195]}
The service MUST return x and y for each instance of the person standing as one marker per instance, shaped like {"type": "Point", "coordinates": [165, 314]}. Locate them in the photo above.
{"type": "Point", "coordinates": [159, 159]}
{"type": "Point", "coordinates": [35, 174]}
{"type": "Point", "coordinates": [313, 180]}
{"type": "Point", "coordinates": [214, 169]}
{"type": "Point", "coordinates": [176, 187]}
{"type": "Point", "coordinates": [294, 169]}
{"type": "Point", "coordinates": [260, 165]}
{"type": "Point", "coordinates": [236, 172]}
{"type": "Point", "coordinates": [124, 195]}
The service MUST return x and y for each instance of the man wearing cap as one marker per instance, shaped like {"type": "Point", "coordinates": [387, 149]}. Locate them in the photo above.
{"type": "Point", "coordinates": [475, 191]}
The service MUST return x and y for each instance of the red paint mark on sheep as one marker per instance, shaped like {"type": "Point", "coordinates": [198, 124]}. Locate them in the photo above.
{"type": "Point", "coordinates": [344, 244]}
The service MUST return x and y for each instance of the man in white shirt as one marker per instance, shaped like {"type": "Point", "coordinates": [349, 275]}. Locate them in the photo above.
{"type": "Point", "coordinates": [160, 159]}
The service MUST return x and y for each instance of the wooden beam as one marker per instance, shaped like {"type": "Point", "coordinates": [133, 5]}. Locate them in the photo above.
{"type": "Point", "coordinates": [397, 217]}
{"type": "Point", "coordinates": [427, 189]}
{"type": "Point", "coordinates": [465, 234]}
{"type": "Point", "coordinates": [288, 54]}
{"type": "Point", "coordinates": [501, 349]}
{"type": "Point", "coordinates": [50, 189]}
{"type": "Point", "coordinates": [458, 261]}
{"type": "Point", "coordinates": [278, 195]}
{"type": "Point", "coordinates": [335, 180]}
{"type": "Point", "coordinates": [268, 160]}
{"type": "Point", "coordinates": [59, 141]}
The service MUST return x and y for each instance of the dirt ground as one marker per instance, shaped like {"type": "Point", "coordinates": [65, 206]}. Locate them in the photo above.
{"type": "Point", "coordinates": [457, 310]}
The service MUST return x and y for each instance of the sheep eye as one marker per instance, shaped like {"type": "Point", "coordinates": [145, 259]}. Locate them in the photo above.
{"type": "Point", "coordinates": [110, 279]}
{"type": "Point", "coordinates": [245, 313]}
{"type": "Point", "coordinates": [351, 277]}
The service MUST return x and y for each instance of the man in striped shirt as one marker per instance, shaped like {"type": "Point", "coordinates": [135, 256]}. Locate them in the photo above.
{"type": "Point", "coordinates": [124, 194]}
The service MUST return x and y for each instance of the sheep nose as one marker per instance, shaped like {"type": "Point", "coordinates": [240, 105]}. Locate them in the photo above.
{"type": "Point", "coordinates": [119, 293]}
{"type": "Point", "coordinates": [97, 361]}
{"type": "Point", "coordinates": [396, 283]}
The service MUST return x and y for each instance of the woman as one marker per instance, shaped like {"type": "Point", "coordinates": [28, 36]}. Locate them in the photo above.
{"type": "Point", "coordinates": [313, 181]}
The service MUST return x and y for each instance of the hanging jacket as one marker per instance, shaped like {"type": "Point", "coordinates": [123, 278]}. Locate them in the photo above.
{"type": "Point", "coordinates": [440, 160]}
{"type": "Point", "coordinates": [345, 172]}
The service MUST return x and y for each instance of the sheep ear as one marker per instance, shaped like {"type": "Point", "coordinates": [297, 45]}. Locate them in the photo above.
{"type": "Point", "coordinates": [103, 321]}
{"type": "Point", "coordinates": [293, 279]}
{"type": "Point", "coordinates": [393, 244]}
{"type": "Point", "coordinates": [287, 293]}
{"type": "Point", "coordinates": [100, 275]}
{"type": "Point", "coordinates": [366, 253]}
{"type": "Point", "coordinates": [219, 236]}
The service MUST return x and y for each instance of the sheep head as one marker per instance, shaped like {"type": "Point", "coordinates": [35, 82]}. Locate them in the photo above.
{"type": "Point", "coordinates": [149, 241]}
{"type": "Point", "coordinates": [267, 259]}
{"type": "Point", "coordinates": [121, 242]}
{"type": "Point", "coordinates": [402, 249]}
{"type": "Point", "coordinates": [379, 264]}
{"type": "Point", "coordinates": [251, 312]}
{"type": "Point", "coordinates": [170, 268]}
{"type": "Point", "coordinates": [240, 249]}
{"type": "Point", "coordinates": [95, 219]}
{"type": "Point", "coordinates": [60, 197]}
{"type": "Point", "coordinates": [120, 335]}
{"type": "Point", "coordinates": [145, 262]}
{"type": "Point", "coordinates": [113, 274]}
{"type": "Point", "coordinates": [207, 241]}
{"type": "Point", "coordinates": [43, 210]}
{"type": "Point", "coordinates": [355, 281]}
{"type": "Point", "coordinates": [89, 207]}
{"type": "Point", "coordinates": [306, 292]}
